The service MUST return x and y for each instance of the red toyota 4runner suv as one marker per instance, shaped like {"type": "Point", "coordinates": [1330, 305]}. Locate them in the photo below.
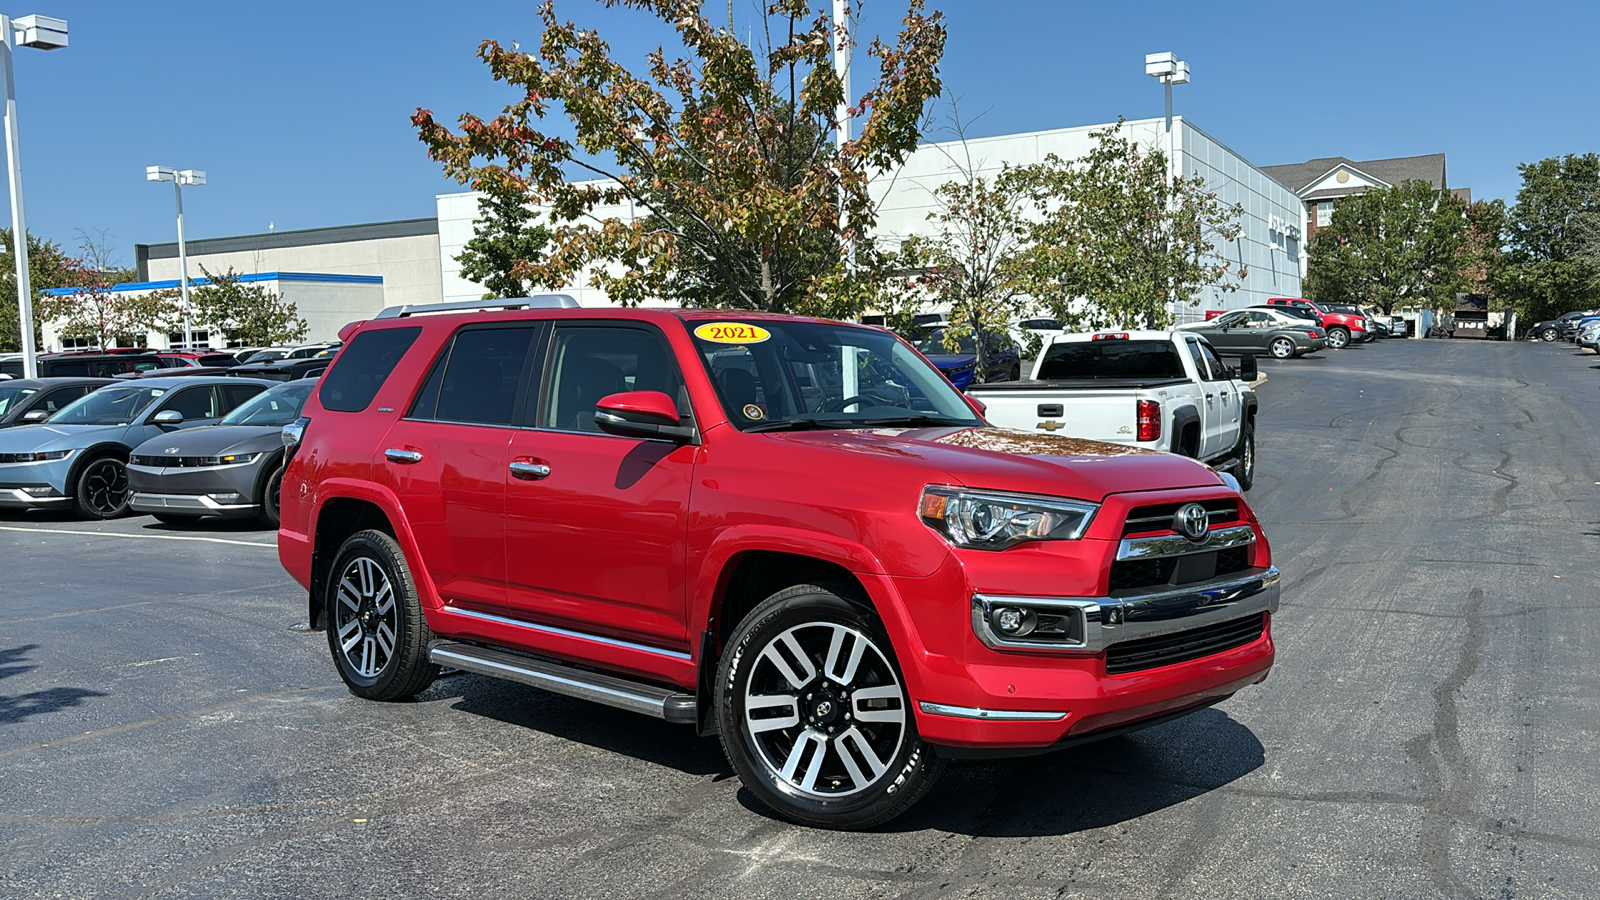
{"type": "Point", "coordinates": [790, 532]}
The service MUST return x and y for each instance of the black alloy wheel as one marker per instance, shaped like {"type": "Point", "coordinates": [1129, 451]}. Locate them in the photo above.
{"type": "Point", "coordinates": [376, 629]}
{"type": "Point", "coordinates": [1281, 348]}
{"type": "Point", "coordinates": [102, 489]}
{"type": "Point", "coordinates": [813, 712]}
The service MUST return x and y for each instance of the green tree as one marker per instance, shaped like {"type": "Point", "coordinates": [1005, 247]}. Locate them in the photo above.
{"type": "Point", "coordinates": [1484, 253]}
{"type": "Point", "coordinates": [506, 239]}
{"type": "Point", "coordinates": [95, 311]}
{"type": "Point", "coordinates": [48, 267]}
{"type": "Point", "coordinates": [724, 157]}
{"type": "Point", "coordinates": [245, 312]}
{"type": "Point", "coordinates": [1115, 242]}
{"type": "Point", "coordinates": [1388, 247]}
{"type": "Point", "coordinates": [1547, 230]}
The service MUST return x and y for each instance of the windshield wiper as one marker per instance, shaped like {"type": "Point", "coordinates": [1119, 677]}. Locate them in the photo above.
{"type": "Point", "coordinates": [843, 420]}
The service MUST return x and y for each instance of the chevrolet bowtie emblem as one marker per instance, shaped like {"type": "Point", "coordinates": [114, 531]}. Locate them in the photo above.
{"type": "Point", "coordinates": [1051, 425]}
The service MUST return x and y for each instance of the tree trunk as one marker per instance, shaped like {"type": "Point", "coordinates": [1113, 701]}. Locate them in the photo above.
{"type": "Point", "coordinates": [766, 285]}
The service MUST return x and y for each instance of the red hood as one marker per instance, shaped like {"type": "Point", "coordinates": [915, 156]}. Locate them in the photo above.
{"type": "Point", "coordinates": [1006, 460]}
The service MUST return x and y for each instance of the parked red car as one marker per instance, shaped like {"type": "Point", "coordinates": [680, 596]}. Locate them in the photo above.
{"type": "Point", "coordinates": [1342, 328]}
{"type": "Point", "coordinates": [792, 533]}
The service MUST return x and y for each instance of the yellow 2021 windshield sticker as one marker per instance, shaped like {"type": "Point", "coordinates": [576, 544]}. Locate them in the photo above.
{"type": "Point", "coordinates": [732, 333]}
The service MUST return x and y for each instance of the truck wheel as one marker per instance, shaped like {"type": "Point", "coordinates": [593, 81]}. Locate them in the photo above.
{"type": "Point", "coordinates": [1338, 338]}
{"type": "Point", "coordinates": [376, 630]}
{"type": "Point", "coordinates": [1281, 348]}
{"type": "Point", "coordinates": [1245, 471]}
{"type": "Point", "coordinates": [102, 489]}
{"type": "Point", "coordinates": [814, 715]}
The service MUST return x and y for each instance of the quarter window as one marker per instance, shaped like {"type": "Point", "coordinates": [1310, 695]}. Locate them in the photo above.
{"type": "Point", "coordinates": [591, 362]}
{"type": "Point", "coordinates": [363, 367]}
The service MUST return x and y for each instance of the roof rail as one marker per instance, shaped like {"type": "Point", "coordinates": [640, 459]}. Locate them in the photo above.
{"type": "Point", "coordinates": [539, 301]}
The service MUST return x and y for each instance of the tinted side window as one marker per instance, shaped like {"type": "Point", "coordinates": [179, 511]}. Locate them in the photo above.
{"type": "Point", "coordinates": [1218, 370]}
{"type": "Point", "coordinates": [57, 399]}
{"type": "Point", "coordinates": [194, 403]}
{"type": "Point", "coordinates": [68, 369]}
{"type": "Point", "coordinates": [363, 367]}
{"type": "Point", "coordinates": [1200, 366]}
{"type": "Point", "coordinates": [479, 378]}
{"type": "Point", "coordinates": [235, 394]}
{"type": "Point", "coordinates": [590, 362]}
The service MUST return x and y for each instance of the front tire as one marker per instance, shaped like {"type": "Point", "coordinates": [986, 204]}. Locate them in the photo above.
{"type": "Point", "coordinates": [1245, 471]}
{"type": "Point", "coordinates": [268, 517]}
{"type": "Point", "coordinates": [1338, 338]}
{"type": "Point", "coordinates": [101, 491]}
{"type": "Point", "coordinates": [1281, 348]}
{"type": "Point", "coordinates": [376, 630]}
{"type": "Point", "coordinates": [814, 715]}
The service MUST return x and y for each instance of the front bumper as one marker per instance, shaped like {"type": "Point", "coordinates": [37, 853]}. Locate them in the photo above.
{"type": "Point", "coordinates": [30, 496]}
{"type": "Point", "coordinates": [189, 504]}
{"type": "Point", "coordinates": [35, 485]}
{"type": "Point", "coordinates": [227, 490]}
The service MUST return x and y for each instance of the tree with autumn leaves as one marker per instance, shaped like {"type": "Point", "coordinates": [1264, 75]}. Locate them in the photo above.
{"type": "Point", "coordinates": [724, 157]}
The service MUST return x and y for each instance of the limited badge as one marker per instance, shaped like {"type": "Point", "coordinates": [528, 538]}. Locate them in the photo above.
{"type": "Point", "coordinates": [732, 333]}
{"type": "Point", "coordinates": [754, 413]}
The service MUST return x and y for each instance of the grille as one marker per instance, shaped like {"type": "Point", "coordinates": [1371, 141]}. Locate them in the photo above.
{"type": "Point", "coordinates": [1168, 649]}
{"type": "Point", "coordinates": [1233, 559]}
{"type": "Point", "coordinates": [174, 462]}
{"type": "Point", "coordinates": [1158, 519]}
{"type": "Point", "coordinates": [1176, 571]}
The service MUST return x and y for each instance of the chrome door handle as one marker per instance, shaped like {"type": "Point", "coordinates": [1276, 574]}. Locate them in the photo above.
{"type": "Point", "coordinates": [529, 471]}
{"type": "Point", "coordinates": [403, 456]}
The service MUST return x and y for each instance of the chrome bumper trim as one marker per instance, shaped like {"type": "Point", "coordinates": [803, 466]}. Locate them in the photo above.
{"type": "Point", "coordinates": [1103, 621]}
{"type": "Point", "coordinates": [993, 715]}
{"type": "Point", "coordinates": [1178, 545]}
{"type": "Point", "coordinates": [189, 503]}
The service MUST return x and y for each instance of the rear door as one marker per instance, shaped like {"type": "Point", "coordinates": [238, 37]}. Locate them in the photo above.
{"type": "Point", "coordinates": [597, 525]}
{"type": "Point", "coordinates": [446, 459]}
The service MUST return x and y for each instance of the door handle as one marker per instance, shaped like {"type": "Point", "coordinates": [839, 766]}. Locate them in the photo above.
{"type": "Point", "coordinates": [406, 457]}
{"type": "Point", "coordinates": [527, 471]}
{"type": "Point", "coordinates": [1211, 396]}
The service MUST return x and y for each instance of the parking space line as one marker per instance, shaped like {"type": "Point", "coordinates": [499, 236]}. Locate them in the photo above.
{"type": "Point", "coordinates": [152, 537]}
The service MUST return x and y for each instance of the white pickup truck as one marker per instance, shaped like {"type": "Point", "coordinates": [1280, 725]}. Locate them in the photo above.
{"type": "Point", "coordinates": [1161, 390]}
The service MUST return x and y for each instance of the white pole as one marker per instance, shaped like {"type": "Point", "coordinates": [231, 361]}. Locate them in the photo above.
{"type": "Point", "coordinates": [841, 64]}
{"type": "Point", "coordinates": [183, 264]}
{"type": "Point", "coordinates": [19, 229]}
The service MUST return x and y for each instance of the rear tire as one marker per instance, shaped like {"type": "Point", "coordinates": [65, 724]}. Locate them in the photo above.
{"type": "Point", "coordinates": [1549, 334]}
{"type": "Point", "coordinates": [376, 630]}
{"type": "Point", "coordinates": [1281, 348]}
{"type": "Point", "coordinates": [813, 712]}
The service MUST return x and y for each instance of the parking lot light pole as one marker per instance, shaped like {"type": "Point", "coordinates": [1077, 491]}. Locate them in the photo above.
{"type": "Point", "coordinates": [43, 33]}
{"type": "Point", "coordinates": [1169, 70]}
{"type": "Point", "coordinates": [179, 178]}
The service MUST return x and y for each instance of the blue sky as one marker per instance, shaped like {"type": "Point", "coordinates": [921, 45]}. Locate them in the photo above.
{"type": "Point", "coordinates": [299, 111]}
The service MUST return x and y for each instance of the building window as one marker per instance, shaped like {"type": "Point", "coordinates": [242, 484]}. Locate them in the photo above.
{"type": "Point", "coordinates": [1324, 214]}
{"type": "Point", "coordinates": [77, 343]}
{"type": "Point", "coordinates": [202, 340]}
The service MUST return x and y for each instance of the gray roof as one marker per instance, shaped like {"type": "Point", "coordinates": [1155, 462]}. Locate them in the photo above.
{"type": "Point", "coordinates": [1299, 176]}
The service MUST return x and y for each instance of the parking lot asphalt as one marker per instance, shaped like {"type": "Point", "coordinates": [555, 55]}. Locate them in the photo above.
{"type": "Point", "coordinates": [1429, 730]}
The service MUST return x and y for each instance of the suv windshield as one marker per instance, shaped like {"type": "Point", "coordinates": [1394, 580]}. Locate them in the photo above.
{"type": "Point", "coordinates": [277, 407]}
{"type": "Point", "coordinates": [108, 406]}
{"type": "Point", "coordinates": [13, 397]}
{"type": "Point", "coordinates": [774, 374]}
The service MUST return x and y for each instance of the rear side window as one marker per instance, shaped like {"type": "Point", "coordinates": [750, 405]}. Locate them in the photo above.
{"type": "Point", "coordinates": [363, 367]}
{"type": "Point", "coordinates": [1111, 360]}
{"type": "Point", "coordinates": [479, 380]}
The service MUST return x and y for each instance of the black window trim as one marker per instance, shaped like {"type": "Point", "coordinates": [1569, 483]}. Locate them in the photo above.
{"type": "Point", "coordinates": [534, 412]}
{"type": "Point", "coordinates": [537, 346]}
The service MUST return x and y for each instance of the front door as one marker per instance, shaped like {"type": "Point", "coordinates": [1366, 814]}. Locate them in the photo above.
{"type": "Point", "coordinates": [596, 525]}
{"type": "Point", "coordinates": [447, 460]}
{"type": "Point", "coordinates": [1224, 331]}
{"type": "Point", "coordinates": [1222, 406]}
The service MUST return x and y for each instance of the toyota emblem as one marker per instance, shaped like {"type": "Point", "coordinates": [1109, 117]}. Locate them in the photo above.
{"type": "Point", "coordinates": [1192, 521]}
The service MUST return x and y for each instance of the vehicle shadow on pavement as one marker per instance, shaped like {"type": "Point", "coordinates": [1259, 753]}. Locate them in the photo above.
{"type": "Point", "coordinates": [1089, 787]}
{"type": "Point", "coordinates": [38, 703]}
{"type": "Point", "coordinates": [613, 730]}
{"type": "Point", "coordinates": [209, 525]}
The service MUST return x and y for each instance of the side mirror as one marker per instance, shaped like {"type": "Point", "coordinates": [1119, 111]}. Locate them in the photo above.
{"type": "Point", "coordinates": [34, 416]}
{"type": "Point", "coordinates": [642, 414]}
{"type": "Point", "coordinates": [1247, 367]}
{"type": "Point", "coordinates": [982, 407]}
{"type": "Point", "coordinates": [168, 417]}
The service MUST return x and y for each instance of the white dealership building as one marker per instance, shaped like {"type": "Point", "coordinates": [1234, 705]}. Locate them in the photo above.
{"type": "Point", "coordinates": [1268, 252]}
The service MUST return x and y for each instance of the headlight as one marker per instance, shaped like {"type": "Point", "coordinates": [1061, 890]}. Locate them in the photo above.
{"type": "Point", "coordinates": [236, 459]}
{"type": "Point", "coordinates": [989, 520]}
{"type": "Point", "coordinates": [38, 456]}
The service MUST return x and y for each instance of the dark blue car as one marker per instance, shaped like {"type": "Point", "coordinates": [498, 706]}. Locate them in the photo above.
{"type": "Point", "coordinates": [1003, 363]}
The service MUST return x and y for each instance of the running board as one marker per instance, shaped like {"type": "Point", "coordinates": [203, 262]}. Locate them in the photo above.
{"type": "Point", "coordinates": [635, 696]}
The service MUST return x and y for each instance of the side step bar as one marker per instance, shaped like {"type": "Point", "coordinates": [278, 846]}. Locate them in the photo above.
{"type": "Point", "coordinates": [650, 699]}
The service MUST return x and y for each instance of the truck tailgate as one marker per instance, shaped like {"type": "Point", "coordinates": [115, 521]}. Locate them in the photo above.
{"type": "Point", "coordinates": [1093, 415]}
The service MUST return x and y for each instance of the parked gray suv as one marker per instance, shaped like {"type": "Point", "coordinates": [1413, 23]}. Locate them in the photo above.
{"type": "Point", "coordinates": [232, 468]}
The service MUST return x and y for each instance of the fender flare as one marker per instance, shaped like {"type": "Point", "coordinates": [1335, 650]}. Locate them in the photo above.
{"type": "Point", "coordinates": [104, 448]}
{"type": "Point", "coordinates": [1181, 417]}
{"type": "Point", "coordinates": [387, 503]}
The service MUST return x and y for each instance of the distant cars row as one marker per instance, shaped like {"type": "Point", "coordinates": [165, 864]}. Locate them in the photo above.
{"type": "Point", "coordinates": [135, 446]}
{"type": "Point", "coordinates": [133, 361]}
{"type": "Point", "coordinates": [1557, 329]}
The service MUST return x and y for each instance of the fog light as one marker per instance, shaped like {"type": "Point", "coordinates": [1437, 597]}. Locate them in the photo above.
{"type": "Point", "coordinates": [230, 495]}
{"type": "Point", "coordinates": [1013, 621]}
{"type": "Point", "coordinates": [39, 490]}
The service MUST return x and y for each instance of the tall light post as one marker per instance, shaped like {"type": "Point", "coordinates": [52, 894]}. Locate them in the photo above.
{"type": "Point", "coordinates": [841, 64]}
{"type": "Point", "coordinates": [1169, 70]}
{"type": "Point", "coordinates": [179, 178]}
{"type": "Point", "coordinates": [44, 33]}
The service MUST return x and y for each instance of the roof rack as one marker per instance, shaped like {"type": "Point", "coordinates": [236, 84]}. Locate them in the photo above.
{"type": "Point", "coordinates": [539, 301]}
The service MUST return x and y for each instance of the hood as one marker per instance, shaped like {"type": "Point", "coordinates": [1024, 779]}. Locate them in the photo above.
{"type": "Point", "coordinates": [1005, 460]}
{"type": "Point", "coordinates": [947, 361]}
{"type": "Point", "coordinates": [46, 437]}
{"type": "Point", "coordinates": [215, 440]}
